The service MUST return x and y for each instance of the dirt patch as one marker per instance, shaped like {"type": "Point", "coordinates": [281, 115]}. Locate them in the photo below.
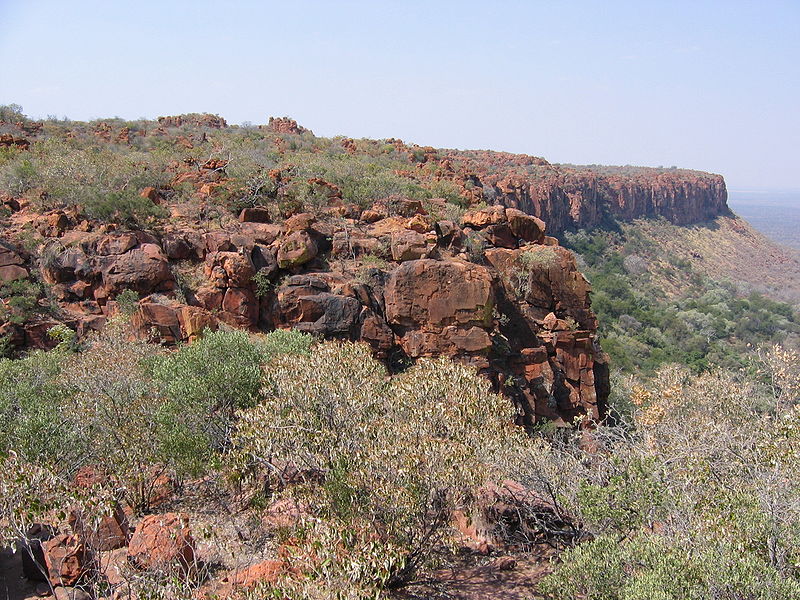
{"type": "Point", "coordinates": [510, 577]}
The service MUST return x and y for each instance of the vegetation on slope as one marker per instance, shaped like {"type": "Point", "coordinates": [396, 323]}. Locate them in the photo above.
{"type": "Point", "coordinates": [656, 308]}
{"type": "Point", "coordinates": [695, 496]}
{"type": "Point", "coordinates": [78, 164]}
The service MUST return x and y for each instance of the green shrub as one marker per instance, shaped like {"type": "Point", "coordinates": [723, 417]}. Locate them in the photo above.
{"type": "Point", "coordinates": [202, 384]}
{"type": "Point", "coordinates": [388, 461]}
{"type": "Point", "coordinates": [21, 300]}
{"type": "Point", "coordinates": [286, 341]}
{"type": "Point", "coordinates": [36, 414]}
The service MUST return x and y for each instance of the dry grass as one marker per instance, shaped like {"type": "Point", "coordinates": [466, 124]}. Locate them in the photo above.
{"type": "Point", "coordinates": [726, 248]}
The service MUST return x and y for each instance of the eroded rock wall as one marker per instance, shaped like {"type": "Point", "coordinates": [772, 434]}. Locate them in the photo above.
{"type": "Point", "coordinates": [491, 291]}
{"type": "Point", "coordinates": [568, 196]}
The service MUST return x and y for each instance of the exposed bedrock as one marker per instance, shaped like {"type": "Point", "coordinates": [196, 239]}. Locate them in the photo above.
{"type": "Point", "coordinates": [492, 291]}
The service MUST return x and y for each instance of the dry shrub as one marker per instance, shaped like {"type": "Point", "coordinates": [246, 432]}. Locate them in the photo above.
{"type": "Point", "coordinates": [386, 461]}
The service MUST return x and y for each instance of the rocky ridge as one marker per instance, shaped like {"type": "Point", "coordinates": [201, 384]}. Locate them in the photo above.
{"type": "Point", "coordinates": [492, 291]}
{"type": "Point", "coordinates": [411, 279]}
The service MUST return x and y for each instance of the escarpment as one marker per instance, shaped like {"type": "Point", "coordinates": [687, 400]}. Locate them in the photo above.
{"type": "Point", "coordinates": [569, 196]}
{"type": "Point", "coordinates": [192, 223]}
{"type": "Point", "coordinates": [491, 291]}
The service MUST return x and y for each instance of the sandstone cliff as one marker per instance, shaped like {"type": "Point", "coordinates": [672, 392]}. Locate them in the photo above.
{"type": "Point", "coordinates": [273, 227]}
{"type": "Point", "coordinates": [569, 196]}
{"type": "Point", "coordinates": [517, 309]}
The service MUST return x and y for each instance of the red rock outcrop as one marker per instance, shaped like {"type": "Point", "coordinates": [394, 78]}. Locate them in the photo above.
{"type": "Point", "coordinates": [163, 543]}
{"type": "Point", "coordinates": [284, 125]}
{"type": "Point", "coordinates": [568, 196]}
{"type": "Point", "coordinates": [11, 141]}
{"type": "Point", "coordinates": [204, 120]}
{"type": "Point", "coordinates": [493, 291]}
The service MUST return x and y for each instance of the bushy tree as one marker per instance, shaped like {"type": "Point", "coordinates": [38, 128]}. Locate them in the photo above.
{"type": "Point", "coordinates": [385, 461]}
{"type": "Point", "coordinates": [703, 476]}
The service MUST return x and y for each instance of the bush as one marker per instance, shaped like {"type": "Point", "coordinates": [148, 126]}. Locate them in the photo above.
{"type": "Point", "coordinates": [286, 341]}
{"type": "Point", "coordinates": [36, 416]}
{"type": "Point", "coordinates": [20, 300]}
{"type": "Point", "coordinates": [206, 381]}
{"type": "Point", "coordinates": [701, 477]}
{"type": "Point", "coordinates": [105, 184]}
{"type": "Point", "coordinates": [385, 461]}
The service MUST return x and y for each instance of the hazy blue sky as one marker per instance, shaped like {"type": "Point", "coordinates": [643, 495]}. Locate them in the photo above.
{"type": "Point", "coordinates": [706, 85]}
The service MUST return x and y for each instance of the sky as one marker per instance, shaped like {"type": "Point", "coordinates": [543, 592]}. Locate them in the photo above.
{"type": "Point", "coordinates": [706, 85]}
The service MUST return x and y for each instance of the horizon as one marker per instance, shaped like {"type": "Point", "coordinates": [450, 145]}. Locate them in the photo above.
{"type": "Point", "coordinates": [708, 87]}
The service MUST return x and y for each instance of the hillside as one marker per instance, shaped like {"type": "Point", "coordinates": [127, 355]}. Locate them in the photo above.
{"type": "Point", "coordinates": [250, 362]}
{"type": "Point", "coordinates": [704, 295]}
{"type": "Point", "coordinates": [210, 224]}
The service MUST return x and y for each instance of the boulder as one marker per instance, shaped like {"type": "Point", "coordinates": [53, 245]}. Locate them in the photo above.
{"type": "Point", "coordinates": [296, 249]}
{"type": "Point", "coordinates": [241, 302]}
{"type": "Point", "coordinates": [194, 321]}
{"type": "Point", "coordinates": [255, 214]}
{"type": "Point", "coordinates": [118, 243]}
{"type": "Point", "coordinates": [262, 233]}
{"type": "Point", "coordinates": [71, 593]}
{"type": "Point", "coordinates": [68, 560]}
{"type": "Point", "coordinates": [328, 315]}
{"type": "Point", "coordinates": [299, 222]}
{"type": "Point", "coordinates": [524, 226]}
{"type": "Point", "coordinates": [429, 292]}
{"type": "Point", "coordinates": [12, 273]}
{"type": "Point", "coordinates": [9, 255]}
{"type": "Point", "coordinates": [478, 219]}
{"type": "Point", "coordinates": [68, 265]}
{"type": "Point", "coordinates": [264, 259]}
{"type": "Point", "coordinates": [352, 244]}
{"type": "Point", "coordinates": [31, 549]}
{"type": "Point", "coordinates": [106, 533]}
{"type": "Point", "coordinates": [407, 207]}
{"type": "Point", "coordinates": [177, 247]}
{"type": "Point", "coordinates": [409, 245]}
{"type": "Point", "coordinates": [500, 235]}
{"type": "Point", "coordinates": [371, 215]}
{"type": "Point", "coordinates": [157, 322]}
{"type": "Point", "coordinates": [229, 269]}
{"type": "Point", "coordinates": [143, 269]}
{"type": "Point", "coordinates": [163, 543]}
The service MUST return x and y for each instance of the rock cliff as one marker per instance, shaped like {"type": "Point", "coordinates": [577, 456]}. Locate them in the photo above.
{"type": "Point", "coordinates": [411, 274]}
{"type": "Point", "coordinates": [570, 196]}
{"type": "Point", "coordinates": [492, 291]}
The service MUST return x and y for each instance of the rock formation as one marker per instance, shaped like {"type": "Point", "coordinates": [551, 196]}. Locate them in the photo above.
{"type": "Point", "coordinates": [488, 287]}
{"type": "Point", "coordinates": [492, 291]}
{"type": "Point", "coordinates": [569, 196]}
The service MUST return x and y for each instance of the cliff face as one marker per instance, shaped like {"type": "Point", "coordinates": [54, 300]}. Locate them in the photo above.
{"type": "Point", "coordinates": [567, 196]}
{"type": "Point", "coordinates": [409, 286]}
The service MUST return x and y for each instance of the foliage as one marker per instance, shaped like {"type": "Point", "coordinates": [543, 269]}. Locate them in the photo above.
{"type": "Point", "coordinates": [263, 284]}
{"type": "Point", "coordinates": [19, 300]}
{"type": "Point", "coordinates": [642, 327]}
{"type": "Point", "coordinates": [695, 498]}
{"type": "Point", "coordinates": [128, 301]}
{"type": "Point", "coordinates": [72, 164]}
{"type": "Point", "coordinates": [11, 113]}
{"type": "Point", "coordinates": [105, 184]}
{"type": "Point", "coordinates": [286, 341]}
{"type": "Point", "coordinates": [35, 413]}
{"type": "Point", "coordinates": [209, 379]}
{"type": "Point", "coordinates": [386, 461]}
